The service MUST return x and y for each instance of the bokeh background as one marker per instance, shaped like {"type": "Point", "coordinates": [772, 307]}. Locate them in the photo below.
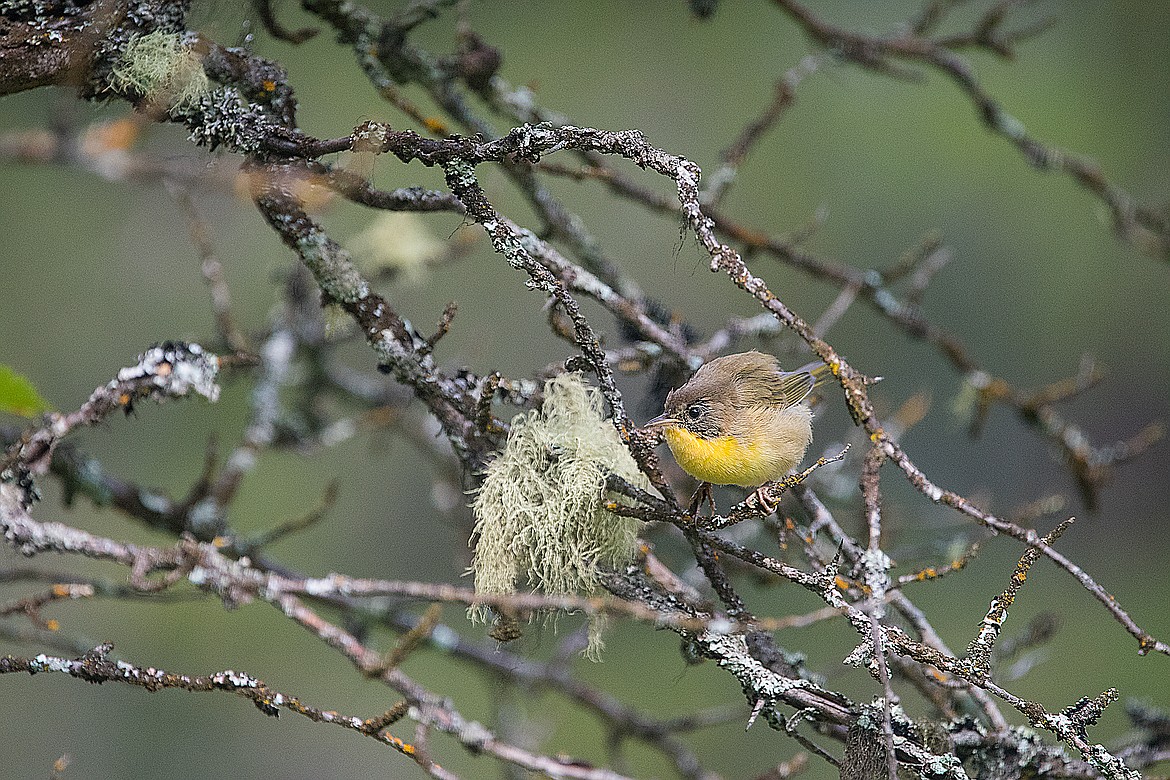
{"type": "Point", "coordinates": [93, 271]}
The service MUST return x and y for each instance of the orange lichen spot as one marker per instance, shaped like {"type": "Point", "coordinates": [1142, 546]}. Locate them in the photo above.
{"type": "Point", "coordinates": [221, 541]}
{"type": "Point", "coordinates": [835, 367]}
{"type": "Point", "coordinates": [164, 369]}
{"type": "Point", "coordinates": [629, 366]}
{"type": "Point", "coordinates": [879, 433]}
{"type": "Point", "coordinates": [938, 675]}
{"type": "Point", "coordinates": [117, 135]}
{"type": "Point", "coordinates": [124, 399]}
{"type": "Point", "coordinates": [927, 573]}
{"type": "Point", "coordinates": [842, 583]}
{"type": "Point", "coordinates": [269, 85]}
{"type": "Point", "coordinates": [435, 125]}
{"type": "Point", "coordinates": [61, 590]}
{"type": "Point", "coordinates": [52, 624]}
{"type": "Point", "coordinates": [1021, 576]}
{"type": "Point", "coordinates": [408, 748]}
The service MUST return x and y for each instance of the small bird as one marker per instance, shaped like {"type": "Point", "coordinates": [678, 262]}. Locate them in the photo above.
{"type": "Point", "coordinates": [740, 420]}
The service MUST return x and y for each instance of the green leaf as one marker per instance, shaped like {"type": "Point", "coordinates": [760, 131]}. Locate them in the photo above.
{"type": "Point", "coordinates": [18, 396]}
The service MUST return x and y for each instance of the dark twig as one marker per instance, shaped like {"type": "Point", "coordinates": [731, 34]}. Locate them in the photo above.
{"type": "Point", "coordinates": [96, 667]}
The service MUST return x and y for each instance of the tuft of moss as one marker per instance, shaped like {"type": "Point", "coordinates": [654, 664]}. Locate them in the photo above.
{"type": "Point", "coordinates": [540, 514]}
{"type": "Point", "coordinates": [164, 69]}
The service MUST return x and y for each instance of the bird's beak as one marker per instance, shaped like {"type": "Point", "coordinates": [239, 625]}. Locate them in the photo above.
{"type": "Point", "coordinates": [659, 422]}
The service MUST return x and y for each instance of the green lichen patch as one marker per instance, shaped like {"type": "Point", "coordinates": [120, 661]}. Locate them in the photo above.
{"type": "Point", "coordinates": [164, 69]}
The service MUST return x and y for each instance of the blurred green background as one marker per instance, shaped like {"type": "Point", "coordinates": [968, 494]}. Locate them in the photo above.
{"type": "Point", "coordinates": [94, 271]}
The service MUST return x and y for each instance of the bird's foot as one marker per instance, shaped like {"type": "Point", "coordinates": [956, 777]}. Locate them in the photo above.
{"type": "Point", "coordinates": [766, 503]}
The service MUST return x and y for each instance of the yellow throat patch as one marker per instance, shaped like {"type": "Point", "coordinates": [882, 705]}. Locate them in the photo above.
{"type": "Point", "coordinates": [725, 460]}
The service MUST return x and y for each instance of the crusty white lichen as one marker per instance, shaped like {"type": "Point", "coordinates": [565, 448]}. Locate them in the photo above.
{"type": "Point", "coordinates": [164, 68]}
{"type": "Point", "coordinates": [224, 118]}
{"type": "Point", "coordinates": [540, 512]}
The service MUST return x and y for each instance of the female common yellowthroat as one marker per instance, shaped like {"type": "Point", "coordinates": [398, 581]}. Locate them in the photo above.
{"type": "Point", "coordinates": [740, 420]}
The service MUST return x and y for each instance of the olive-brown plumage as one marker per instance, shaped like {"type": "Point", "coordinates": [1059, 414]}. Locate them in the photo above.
{"type": "Point", "coordinates": [740, 420]}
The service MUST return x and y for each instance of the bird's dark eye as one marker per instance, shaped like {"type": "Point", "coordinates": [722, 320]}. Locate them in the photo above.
{"type": "Point", "coordinates": [695, 411]}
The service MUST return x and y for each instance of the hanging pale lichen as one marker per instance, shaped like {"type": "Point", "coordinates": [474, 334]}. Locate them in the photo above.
{"type": "Point", "coordinates": [396, 241]}
{"type": "Point", "coordinates": [163, 68]}
{"type": "Point", "coordinates": [539, 512]}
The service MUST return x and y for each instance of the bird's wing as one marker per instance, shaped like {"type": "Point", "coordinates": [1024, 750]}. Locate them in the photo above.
{"type": "Point", "coordinates": [793, 387]}
{"type": "Point", "coordinates": [762, 383]}
{"type": "Point", "coordinates": [820, 371]}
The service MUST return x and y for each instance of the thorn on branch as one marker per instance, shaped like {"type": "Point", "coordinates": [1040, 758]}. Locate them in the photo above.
{"type": "Point", "coordinates": [756, 708]}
